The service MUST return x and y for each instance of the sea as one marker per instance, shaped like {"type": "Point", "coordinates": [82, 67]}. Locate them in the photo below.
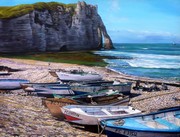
{"type": "Point", "coordinates": [158, 61]}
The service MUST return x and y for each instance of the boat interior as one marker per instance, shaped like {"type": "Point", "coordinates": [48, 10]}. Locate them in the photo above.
{"type": "Point", "coordinates": [101, 111]}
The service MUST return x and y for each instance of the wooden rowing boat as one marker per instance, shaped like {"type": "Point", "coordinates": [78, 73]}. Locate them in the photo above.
{"type": "Point", "coordinates": [103, 97]}
{"type": "Point", "coordinates": [90, 115]}
{"type": "Point", "coordinates": [164, 123]}
{"type": "Point", "coordinates": [54, 105]}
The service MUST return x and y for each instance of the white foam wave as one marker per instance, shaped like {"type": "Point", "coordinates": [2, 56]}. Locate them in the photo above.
{"type": "Point", "coordinates": [153, 64]}
{"type": "Point", "coordinates": [138, 55]}
{"type": "Point", "coordinates": [153, 56]}
{"type": "Point", "coordinates": [146, 60]}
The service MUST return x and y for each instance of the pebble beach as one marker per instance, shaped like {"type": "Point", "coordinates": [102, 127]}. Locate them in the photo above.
{"type": "Point", "coordinates": [24, 115]}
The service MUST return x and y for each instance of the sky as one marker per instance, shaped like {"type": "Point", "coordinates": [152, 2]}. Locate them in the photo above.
{"type": "Point", "coordinates": [132, 21]}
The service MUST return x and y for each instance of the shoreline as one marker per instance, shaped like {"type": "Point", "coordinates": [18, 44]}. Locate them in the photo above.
{"type": "Point", "coordinates": [145, 79]}
{"type": "Point", "coordinates": [25, 115]}
{"type": "Point", "coordinates": [68, 66]}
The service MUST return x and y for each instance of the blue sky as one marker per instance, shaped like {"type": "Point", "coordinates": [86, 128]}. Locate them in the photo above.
{"type": "Point", "coordinates": [133, 21]}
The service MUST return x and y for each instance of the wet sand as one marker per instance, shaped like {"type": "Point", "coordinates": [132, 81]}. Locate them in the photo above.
{"type": "Point", "coordinates": [22, 115]}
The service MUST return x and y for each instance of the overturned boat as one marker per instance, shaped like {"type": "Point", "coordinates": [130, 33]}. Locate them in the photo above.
{"type": "Point", "coordinates": [2, 73]}
{"type": "Point", "coordinates": [75, 75]}
{"type": "Point", "coordinates": [11, 84]}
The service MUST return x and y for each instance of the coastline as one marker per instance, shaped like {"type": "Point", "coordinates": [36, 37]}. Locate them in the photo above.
{"type": "Point", "coordinates": [25, 116]}
{"type": "Point", "coordinates": [145, 79]}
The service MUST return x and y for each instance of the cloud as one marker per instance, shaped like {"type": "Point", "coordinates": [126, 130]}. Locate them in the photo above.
{"type": "Point", "coordinates": [115, 4]}
{"type": "Point", "coordinates": [132, 36]}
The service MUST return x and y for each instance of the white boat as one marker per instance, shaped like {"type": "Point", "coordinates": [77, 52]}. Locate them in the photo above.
{"type": "Point", "coordinates": [77, 76]}
{"type": "Point", "coordinates": [10, 84]}
{"type": "Point", "coordinates": [91, 115]}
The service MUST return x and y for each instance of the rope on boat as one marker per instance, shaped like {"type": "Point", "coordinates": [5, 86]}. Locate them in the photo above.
{"type": "Point", "coordinates": [119, 122]}
{"type": "Point", "coordinates": [103, 128]}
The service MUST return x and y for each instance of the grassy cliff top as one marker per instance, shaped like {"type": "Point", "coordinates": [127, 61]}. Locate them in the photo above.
{"type": "Point", "coordinates": [19, 10]}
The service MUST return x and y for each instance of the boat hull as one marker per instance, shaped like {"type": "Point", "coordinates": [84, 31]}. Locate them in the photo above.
{"type": "Point", "coordinates": [112, 132]}
{"type": "Point", "coordinates": [2, 73]}
{"type": "Point", "coordinates": [51, 94]}
{"type": "Point", "coordinates": [11, 84]}
{"type": "Point", "coordinates": [25, 85]}
{"type": "Point", "coordinates": [106, 97]}
{"type": "Point", "coordinates": [104, 100]}
{"type": "Point", "coordinates": [54, 105]}
{"type": "Point", "coordinates": [124, 88]}
{"type": "Point", "coordinates": [77, 77]}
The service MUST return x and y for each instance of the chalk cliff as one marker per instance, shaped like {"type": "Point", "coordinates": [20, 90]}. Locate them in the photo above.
{"type": "Point", "coordinates": [60, 29]}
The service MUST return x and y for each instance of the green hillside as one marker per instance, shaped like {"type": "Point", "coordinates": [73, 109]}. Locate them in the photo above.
{"type": "Point", "coordinates": [19, 10]}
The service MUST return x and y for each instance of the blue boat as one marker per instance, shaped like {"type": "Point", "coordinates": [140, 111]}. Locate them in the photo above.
{"type": "Point", "coordinates": [49, 91]}
{"type": "Point", "coordinates": [11, 84]}
{"type": "Point", "coordinates": [58, 92]}
{"type": "Point", "coordinates": [164, 123]}
{"type": "Point", "coordinates": [25, 85]}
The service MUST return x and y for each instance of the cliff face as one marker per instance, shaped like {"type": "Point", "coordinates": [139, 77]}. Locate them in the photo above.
{"type": "Point", "coordinates": [58, 30]}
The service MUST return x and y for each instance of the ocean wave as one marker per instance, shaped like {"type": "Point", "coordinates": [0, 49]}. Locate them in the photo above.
{"type": "Point", "coordinates": [155, 61]}
{"type": "Point", "coordinates": [154, 56]}
{"type": "Point", "coordinates": [153, 64]}
{"type": "Point", "coordinates": [140, 62]}
{"type": "Point", "coordinates": [138, 55]}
